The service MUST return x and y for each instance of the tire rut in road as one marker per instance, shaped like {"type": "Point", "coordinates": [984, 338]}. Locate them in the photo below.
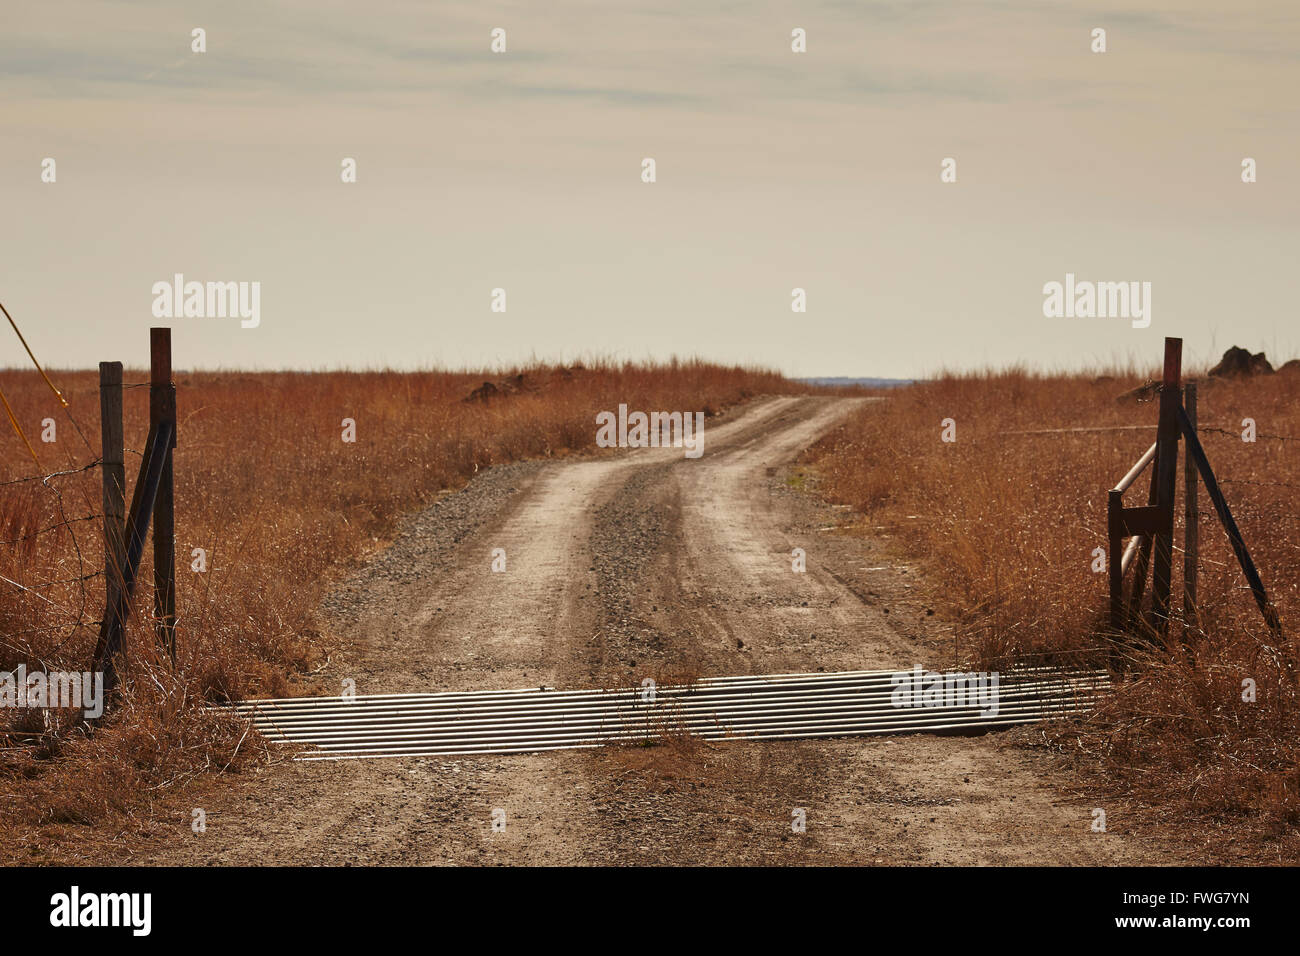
{"type": "Point", "coordinates": [669, 612]}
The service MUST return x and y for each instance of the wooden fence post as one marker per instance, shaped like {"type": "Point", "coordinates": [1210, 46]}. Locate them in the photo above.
{"type": "Point", "coordinates": [162, 409]}
{"type": "Point", "coordinates": [114, 481]}
{"type": "Point", "coordinates": [1167, 484]}
{"type": "Point", "coordinates": [1191, 516]}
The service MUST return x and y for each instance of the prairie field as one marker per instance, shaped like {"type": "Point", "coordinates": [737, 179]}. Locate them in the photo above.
{"type": "Point", "coordinates": [1006, 518]}
{"type": "Point", "coordinates": [282, 506]}
{"type": "Point", "coordinates": [1003, 522]}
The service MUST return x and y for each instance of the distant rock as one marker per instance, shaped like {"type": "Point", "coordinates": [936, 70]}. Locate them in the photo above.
{"type": "Point", "coordinates": [1239, 363]}
{"type": "Point", "coordinates": [483, 393]}
{"type": "Point", "coordinates": [1289, 368]}
{"type": "Point", "coordinates": [512, 385]}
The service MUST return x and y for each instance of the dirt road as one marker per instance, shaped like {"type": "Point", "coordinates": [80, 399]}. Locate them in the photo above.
{"type": "Point", "coordinates": [636, 564]}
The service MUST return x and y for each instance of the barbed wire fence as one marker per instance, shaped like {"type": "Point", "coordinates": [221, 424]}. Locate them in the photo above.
{"type": "Point", "coordinates": [64, 584]}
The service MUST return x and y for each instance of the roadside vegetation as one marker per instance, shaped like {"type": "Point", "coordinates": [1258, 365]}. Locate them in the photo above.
{"type": "Point", "coordinates": [1006, 520]}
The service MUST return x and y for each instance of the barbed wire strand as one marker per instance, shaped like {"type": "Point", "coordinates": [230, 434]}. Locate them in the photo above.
{"type": "Point", "coordinates": [48, 529]}
{"type": "Point", "coordinates": [57, 394]}
{"type": "Point", "coordinates": [44, 479]}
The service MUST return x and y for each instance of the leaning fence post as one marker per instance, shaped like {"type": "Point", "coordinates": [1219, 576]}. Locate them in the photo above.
{"type": "Point", "coordinates": [1167, 484]}
{"type": "Point", "coordinates": [1191, 516]}
{"type": "Point", "coordinates": [162, 409]}
{"type": "Point", "coordinates": [1266, 607]}
{"type": "Point", "coordinates": [112, 634]}
{"type": "Point", "coordinates": [114, 481]}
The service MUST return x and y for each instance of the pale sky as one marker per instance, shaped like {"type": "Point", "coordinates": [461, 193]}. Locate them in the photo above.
{"type": "Point", "coordinates": [775, 170]}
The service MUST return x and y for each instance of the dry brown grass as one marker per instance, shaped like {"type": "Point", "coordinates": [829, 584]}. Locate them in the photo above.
{"type": "Point", "coordinates": [1007, 523]}
{"type": "Point", "coordinates": [265, 484]}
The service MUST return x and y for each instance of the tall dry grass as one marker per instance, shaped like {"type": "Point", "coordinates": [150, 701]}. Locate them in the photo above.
{"type": "Point", "coordinates": [1007, 522]}
{"type": "Point", "coordinates": [265, 484]}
